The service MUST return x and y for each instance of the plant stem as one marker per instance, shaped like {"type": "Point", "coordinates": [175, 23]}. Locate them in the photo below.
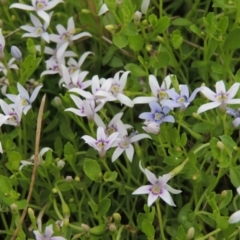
{"type": "Point", "coordinates": [160, 220]}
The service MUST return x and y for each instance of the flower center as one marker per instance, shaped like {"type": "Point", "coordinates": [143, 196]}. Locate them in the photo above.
{"type": "Point", "coordinates": [125, 142]}
{"type": "Point", "coordinates": [66, 36]}
{"type": "Point", "coordinates": [111, 130]}
{"type": "Point", "coordinates": [182, 99]}
{"type": "Point", "coordinates": [162, 94]}
{"type": "Point", "coordinates": [101, 144]}
{"type": "Point", "coordinates": [39, 31]}
{"type": "Point", "coordinates": [156, 188]}
{"type": "Point", "coordinates": [158, 116]}
{"type": "Point", "coordinates": [25, 102]}
{"type": "Point", "coordinates": [222, 97]}
{"type": "Point", "coordinates": [72, 69]}
{"type": "Point", "coordinates": [41, 4]}
{"type": "Point", "coordinates": [13, 118]}
{"type": "Point", "coordinates": [115, 89]}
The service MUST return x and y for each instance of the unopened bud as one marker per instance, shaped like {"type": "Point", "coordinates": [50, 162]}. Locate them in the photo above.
{"type": "Point", "coordinates": [223, 193]}
{"type": "Point", "coordinates": [57, 102]}
{"type": "Point", "coordinates": [16, 53]}
{"type": "Point", "coordinates": [32, 217]}
{"type": "Point", "coordinates": [220, 145]}
{"type": "Point", "coordinates": [144, 22]}
{"type": "Point", "coordinates": [1, 23]}
{"type": "Point", "coordinates": [148, 47]}
{"type": "Point", "coordinates": [195, 177]}
{"type": "Point", "coordinates": [77, 179]}
{"type": "Point", "coordinates": [195, 115]}
{"type": "Point", "coordinates": [137, 17]}
{"type": "Point", "coordinates": [54, 190]}
{"type": "Point", "coordinates": [112, 227]}
{"type": "Point", "coordinates": [111, 28]}
{"type": "Point", "coordinates": [211, 238]}
{"type": "Point", "coordinates": [71, 200]}
{"type": "Point", "coordinates": [69, 178]}
{"type": "Point", "coordinates": [190, 233]}
{"type": "Point", "coordinates": [87, 11]}
{"type": "Point", "coordinates": [178, 149]}
{"type": "Point", "coordinates": [14, 208]}
{"type": "Point", "coordinates": [60, 164]}
{"type": "Point", "coordinates": [85, 227]}
{"type": "Point", "coordinates": [117, 217]}
{"type": "Point", "coordinates": [65, 210]}
{"type": "Point", "coordinates": [230, 2]}
{"type": "Point", "coordinates": [119, 2]}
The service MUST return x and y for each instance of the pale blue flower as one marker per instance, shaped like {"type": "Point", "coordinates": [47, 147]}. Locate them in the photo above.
{"type": "Point", "coordinates": [158, 114]}
{"type": "Point", "coordinates": [181, 100]}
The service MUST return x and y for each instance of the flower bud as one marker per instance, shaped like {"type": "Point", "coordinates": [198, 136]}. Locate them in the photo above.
{"type": "Point", "coordinates": [60, 164]}
{"type": "Point", "coordinates": [14, 208]}
{"type": "Point", "coordinates": [144, 22]}
{"type": "Point", "coordinates": [137, 17]}
{"type": "Point", "coordinates": [69, 178]}
{"type": "Point", "coordinates": [117, 217]}
{"type": "Point", "coordinates": [119, 2]}
{"type": "Point", "coordinates": [16, 53]}
{"type": "Point", "coordinates": [111, 28]}
{"type": "Point", "coordinates": [32, 217]}
{"type": "Point", "coordinates": [65, 210]}
{"type": "Point", "coordinates": [87, 11]}
{"type": "Point", "coordinates": [1, 23]}
{"type": "Point", "coordinates": [211, 238]}
{"type": "Point", "coordinates": [85, 227]}
{"type": "Point", "coordinates": [57, 102]}
{"type": "Point", "coordinates": [223, 193]}
{"type": "Point", "coordinates": [190, 233]}
{"type": "Point", "coordinates": [220, 145]}
{"type": "Point", "coordinates": [54, 190]}
{"type": "Point", "coordinates": [148, 47]}
{"type": "Point", "coordinates": [112, 227]}
{"type": "Point", "coordinates": [77, 179]}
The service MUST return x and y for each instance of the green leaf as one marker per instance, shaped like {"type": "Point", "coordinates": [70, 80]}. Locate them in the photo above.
{"type": "Point", "coordinates": [148, 229]}
{"type": "Point", "coordinates": [181, 235]}
{"type": "Point", "coordinates": [69, 152]}
{"type": "Point", "coordinates": [104, 206]}
{"type": "Point", "coordinates": [163, 24]}
{"type": "Point", "coordinates": [93, 206]}
{"type": "Point", "coordinates": [135, 70]}
{"type": "Point", "coordinates": [108, 56]}
{"type": "Point", "coordinates": [48, 158]}
{"type": "Point", "coordinates": [110, 176]}
{"type": "Point", "coordinates": [221, 221]}
{"type": "Point", "coordinates": [232, 40]}
{"type": "Point", "coordinates": [21, 204]}
{"type": "Point", "coordinates": [176, 39]}
{"type": "Point", "coordinates": [228, 142]}
{"type": "Point", "coordinates": [116, 62]}
{"type": "Point", "coordinates": [223, 24]}
{"type": "Point", "coordinates": [120, 40]}
{"type": "Point", "coordinates": [196, 30]}
{"type": "Point", "coordinates": [31, 46]}
{"type": "Point", "coordinates": [153, 19]}
{"type": "Point", "coordinates": [58, 146]}
{"type": "Point", "coordinates": [111, 4]}
{"type": "Point", "coordinates": [92, 169]}
{"type": "Point", "coordinates": [161, 60]}
{"type": "Point", "coordinates": [129, 29]}
{"type": "Point", "coordinates": [136, 42]}
{"type": "Point", "coordinates": [235, 176]}
{"type": "Point", "coordinates": [202, 128]}
{"type": "Point", "coordinates": [224, 201]}
{"type": "Point", "coordinates": [14, 161]}
{"type": "Point", "coordinates": [181, 22]}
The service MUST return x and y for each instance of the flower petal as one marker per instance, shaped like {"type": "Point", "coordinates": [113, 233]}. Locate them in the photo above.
{"type": "Point", "coordinates": [233, 91]}
{"type": "Point", "coordinates": [234, 218]}
{"type": "Point", "coordinates": [166, 197]}
{"type": "Point", "coordinates": [22, 6]}
{"type": "Point", "coordinates": [130, 152]}
{"type": "Point", "coordinates": [152, 198]}
{"type": "Point", "coordinates": [143, 190]}
{"type": "Point", "coordinates": [139, 100]}
{"type": "Point", "coordinates": [154, 85]}
{"type": "Point", "coordinates": [118, 151]}
{"type": "Point", "coordinates": [139, 137]}
{"type": "Point", "coordinates": [208, 93]}
{"type": "Point", "coordinates": [103, 9]}
{"type": "Point", "coordinates": [208, 106]}
{"type": "Point", "coordinates": [144, 6]}
{"type": "Point", "coordinates": [220, 87]}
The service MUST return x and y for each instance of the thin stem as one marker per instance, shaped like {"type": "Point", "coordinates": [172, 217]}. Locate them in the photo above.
{"type": "Point", "coordinates": [210, 234]}
{"type": "Point", "coordinates": [160, 220]}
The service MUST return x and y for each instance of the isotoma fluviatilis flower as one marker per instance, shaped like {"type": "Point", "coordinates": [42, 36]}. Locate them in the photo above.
{"type": "Point", "coordinates": [47, 235]}
{"type": "Point", "coordinates": [158, 188]}
{"type": "Point", "coordinates": [158, 114]}
{"type": "Point", "coordinates": [221, 98]}
{"type": "Point", "coordinates": [235, 217]}
{"type": "Point", "coordinates": [103, 141]}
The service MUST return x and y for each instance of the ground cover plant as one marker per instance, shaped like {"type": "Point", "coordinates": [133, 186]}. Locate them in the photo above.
{"type": "Point", "coordinates": [119, 119]}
